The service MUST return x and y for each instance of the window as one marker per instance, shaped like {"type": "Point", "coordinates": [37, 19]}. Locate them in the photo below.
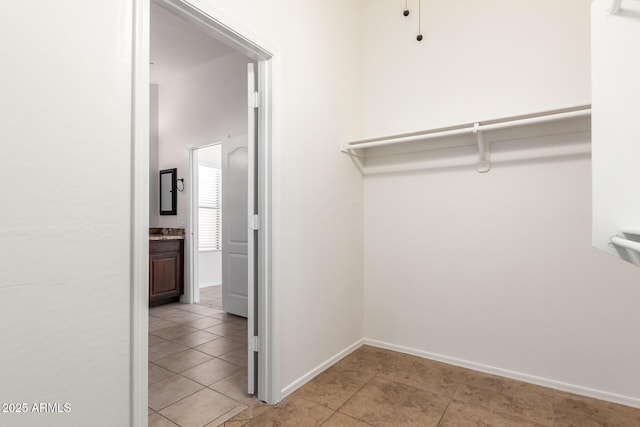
{"type": "Point", "coordinates": [209, 209]}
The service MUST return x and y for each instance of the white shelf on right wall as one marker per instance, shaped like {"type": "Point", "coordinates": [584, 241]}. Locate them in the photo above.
{"type": "Point", "coordinates": [474, 143]}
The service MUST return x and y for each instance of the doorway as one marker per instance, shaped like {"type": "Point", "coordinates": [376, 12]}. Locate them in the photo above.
{"type": "Point", "coordinates": [205, 166]}
{"type": "Point", "coordinates": [260, 245]}
{"type": "Point", "coordinates": [218, 223]}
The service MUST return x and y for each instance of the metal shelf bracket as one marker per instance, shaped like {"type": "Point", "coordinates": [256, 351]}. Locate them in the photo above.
{"type": "Point", "coordinates": [483, 165]}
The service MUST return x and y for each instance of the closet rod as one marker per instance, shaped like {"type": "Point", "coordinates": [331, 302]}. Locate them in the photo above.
{"type": "Point", "coordinates": [625, 243]}
{"type": "Point", "coordinates": [501, 124]}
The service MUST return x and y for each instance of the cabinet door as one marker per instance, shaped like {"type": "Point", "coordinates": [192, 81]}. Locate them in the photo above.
{"type": "Point", "coordinates": [164, 271]}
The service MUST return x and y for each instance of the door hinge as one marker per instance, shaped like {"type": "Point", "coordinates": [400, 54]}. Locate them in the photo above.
{"type": "Point", "coordinates": [254, 223]}
{"type": "Point", "coordinates": [255, 344]}
{"type": "Point", "coordinates": [255, 100]}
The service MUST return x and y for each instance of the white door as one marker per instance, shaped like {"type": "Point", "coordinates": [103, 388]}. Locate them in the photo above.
{"type": "Point", "coordinates": [235, 208]}
{"type": "Point", "coordinates": [239, 230]}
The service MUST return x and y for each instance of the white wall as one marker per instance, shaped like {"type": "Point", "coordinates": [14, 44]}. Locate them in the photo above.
{"type": "Point", "coordinates": [477, 61]}
{"type": "Point", "coordinates": [66, 261]}
{"type": "Point", "coordinates": [65, 256]}
{"type": "Point", "coordinates": [210, 156]}
{"type": "Point", "coordinates": [200, 107]}
{"type": "Point", "coordinates": [496, 270]}
{"type": "Point", "coordinates": [210, 263]}
{"type": "Point", "coordinates": [154, 140]}
{"type": "Point", "coordinates": [210, 269]}
{"type": "Point", "coordinates": [616, 108]}
{"type": "Point", "coordinates": [318, 192]}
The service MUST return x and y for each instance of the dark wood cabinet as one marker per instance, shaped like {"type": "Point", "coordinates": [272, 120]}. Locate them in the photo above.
{"type": "Point", "coordinates": [166, 271]}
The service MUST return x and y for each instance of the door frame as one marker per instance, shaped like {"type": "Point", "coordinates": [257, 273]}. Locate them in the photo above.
{"type": "Point", "coordinates": [247, 43]}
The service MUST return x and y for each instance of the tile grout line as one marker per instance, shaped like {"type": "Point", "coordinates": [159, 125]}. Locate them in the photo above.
{"type": "Point", "coordinates": [194, 366]}
{"type": "Point", "coordinates": [458, 395]}
{"type": "Point", "coordinates": [234, 326]}
{"type": "Point", "coordinates": [354, 395]}
{"type": "Point", "coordinates": [200, 351]}
{"type": "Point", "coordinates": [444, 412]}
{"type": "Point", "coordinates": [168, 419]}
{"type": "Point", "coordinates": [453, 397]}
{"type": "Point", "coordinates": [230, 410]}
{"type": "Point", "coordinates": [337, 409]}
{"type": "Point", "coordinates": [181, 399]}
{"type": "Point", "coordinates": [553, 403]}
{"type": "Point", "coordinates": [197, 391]}
{"type": "Point", "coordinates": [331, 415]}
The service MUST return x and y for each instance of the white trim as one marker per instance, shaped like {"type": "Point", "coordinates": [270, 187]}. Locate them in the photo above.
{"type": "Point", "coordinates": [222, 27]}
{"type": "Point", "coordinates": [268, 167]}
{"type": "Point", "coordinates": [192, 292]}
{"type": "Point", "coordinates": [139, 308]}
{"type": "Point", "coordinates": [321, 368]}
{"type": "Point", "coordinates": [252, 233]}
{"type": "Point", "coordinates": [532, 379]}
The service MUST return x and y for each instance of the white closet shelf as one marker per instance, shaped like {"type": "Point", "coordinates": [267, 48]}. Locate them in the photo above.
{"type": "Point", "coordinates": [476, 128]}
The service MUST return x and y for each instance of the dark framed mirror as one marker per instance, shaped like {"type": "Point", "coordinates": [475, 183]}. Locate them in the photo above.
{"type": "Point", "coordinates": [168, 192]}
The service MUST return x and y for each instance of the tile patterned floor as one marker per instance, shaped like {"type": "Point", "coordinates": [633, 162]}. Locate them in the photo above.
{"type": "Point", "coordinates": [197, 363]}
{"type": "Point", "coordinates": [197, 379]}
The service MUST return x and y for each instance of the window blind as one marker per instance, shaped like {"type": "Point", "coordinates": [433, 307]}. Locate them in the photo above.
{"type": "Point", "coordinates": [209, 209]}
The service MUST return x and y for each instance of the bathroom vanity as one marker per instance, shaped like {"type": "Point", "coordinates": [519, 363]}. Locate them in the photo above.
{"type": "Point", "coordinates": [166, 265]}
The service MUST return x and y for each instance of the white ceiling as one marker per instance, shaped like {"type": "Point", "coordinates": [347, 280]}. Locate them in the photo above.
{"type": "Point", "coordinates": [177, 46]}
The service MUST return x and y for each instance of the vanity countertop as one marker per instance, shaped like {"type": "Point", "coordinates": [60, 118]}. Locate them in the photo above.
{"type": "Point", "coordinates": [166, 233]}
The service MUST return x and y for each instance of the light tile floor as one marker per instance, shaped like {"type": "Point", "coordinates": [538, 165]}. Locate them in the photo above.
{"type": "Point", "coordinates": [197, 363]}
{"type": "Point", "coordinates": [370, 387]}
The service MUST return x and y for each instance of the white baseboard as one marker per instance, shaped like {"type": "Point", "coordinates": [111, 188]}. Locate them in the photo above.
{"type": "Point", "coordinates": [569, 388]}
{"type": "Point", "coordinates": [320, 368]}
